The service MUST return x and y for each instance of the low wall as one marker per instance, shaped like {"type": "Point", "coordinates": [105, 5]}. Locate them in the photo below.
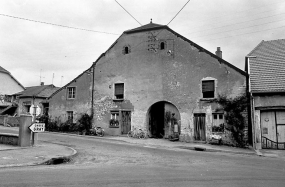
{"type": "Point", "coordinates": [10, 139]}
{"type": "Point", "coordinates": [9, 121]}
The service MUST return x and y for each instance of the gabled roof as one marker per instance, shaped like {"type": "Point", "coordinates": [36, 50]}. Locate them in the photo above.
{"type": "Point", "coordinates": [267, 68]}
{"type": "Point", "coordinates": [38, 91]}
{"type": "Point", "coordinates": [149, 26]}
{"type": "Point", "coordinates": [154, 26]}
{"type": "Point", "coordinates": [89, 70]}
{"type": "Point", "coordinates": [5, 71]}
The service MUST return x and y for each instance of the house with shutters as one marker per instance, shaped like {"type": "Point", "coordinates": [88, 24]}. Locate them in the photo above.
{"type": "Point", "coordinates": [152, 78]}
{"type": "Point", "coordinates": [34, 96]}
{"type": "Point", "coordinates": [265, 65]}
{"type": "Point", "coordinates": [8, 86]}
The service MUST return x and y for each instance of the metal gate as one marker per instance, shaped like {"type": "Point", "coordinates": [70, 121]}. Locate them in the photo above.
{"type": "Point", "coordinates": [199, 127]}
{"type": "Point", "coordinates": [126, 122]}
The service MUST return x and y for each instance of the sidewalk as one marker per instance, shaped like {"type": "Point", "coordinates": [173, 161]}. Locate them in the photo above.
{"type": "Point", "coordinates": [43, 153]}
{"type": "Point", "coordinates": [164, 143]}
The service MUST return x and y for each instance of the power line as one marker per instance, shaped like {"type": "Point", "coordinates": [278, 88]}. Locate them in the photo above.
{"type": "Point", "coordinates": [237, 23]}
{"type": "Point", "coordinates": [178, 12]}
{"type": "Point", "coordinates": [58, 25]}
{"type": "Point", "coordinates": [128, 12]}
{"type": "Point", "coordinates": [243, 34]}
{"type": "Point", "coordinates": [242, 11]}
{"type": "Point", "coordinates": [238, 29]}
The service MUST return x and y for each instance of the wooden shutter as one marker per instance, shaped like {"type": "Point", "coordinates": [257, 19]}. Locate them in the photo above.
{"type": "Point", "coordinates": [208, 86]}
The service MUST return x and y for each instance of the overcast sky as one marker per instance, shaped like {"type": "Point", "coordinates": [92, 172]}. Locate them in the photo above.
{"type": "Point", "coordinates": [35, 52]}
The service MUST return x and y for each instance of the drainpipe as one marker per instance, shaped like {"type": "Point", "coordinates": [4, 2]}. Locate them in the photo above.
{"type": "Point", "coordinates": [251, 130]}
{"type": "Point", "coordinates": [92, 91]}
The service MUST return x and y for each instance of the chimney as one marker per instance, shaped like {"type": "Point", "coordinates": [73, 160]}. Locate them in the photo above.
{"type": "Point", "coordinates": [219, 52]}
{"type": "Point", "coordinates": [42, 83]}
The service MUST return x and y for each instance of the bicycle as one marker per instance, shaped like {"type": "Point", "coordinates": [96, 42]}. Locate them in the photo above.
{"type": "Point", "coordinates": [137, 134]}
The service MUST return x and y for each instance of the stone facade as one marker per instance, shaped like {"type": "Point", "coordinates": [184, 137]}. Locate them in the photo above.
{"type": "Point", "coordinates": [161, 71]}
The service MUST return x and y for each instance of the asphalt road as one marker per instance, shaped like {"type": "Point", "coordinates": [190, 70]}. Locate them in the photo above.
{"type": "Point", "coordinates": [103, 162]}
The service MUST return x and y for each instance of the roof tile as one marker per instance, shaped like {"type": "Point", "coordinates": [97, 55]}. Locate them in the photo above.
{"type": "Point", "coordinates": [267, 70]}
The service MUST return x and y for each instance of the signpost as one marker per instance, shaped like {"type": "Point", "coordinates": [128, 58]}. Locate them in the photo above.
{"type": "Point", "coordinates": [37, 127]}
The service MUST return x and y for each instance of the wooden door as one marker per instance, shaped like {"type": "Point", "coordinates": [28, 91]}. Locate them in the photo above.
{"type": "Point", "coordinates": [268, 125]}
{"type": "Point", "coordinates": [199, 127]}
{"type": "Point", "coordinates": [126, 122]}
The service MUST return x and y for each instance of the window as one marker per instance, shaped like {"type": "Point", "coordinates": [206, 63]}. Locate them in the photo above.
{"type": "Point", "coordinates": [126, 49]}
{"type": "Point", "coordinates": [218, 123]}
{"type": "Point", "coordinates": [71, 92]}
{"type": "Point", "coordinates": [114, 121]}
{"type": "Point", "coordinates": [119, 91]}
{"type": "Point", "coordinates": [162, 45]}
{"type": "Point", "coordinates": [115, 115]}
{"type": "Point", "coordinates": [208, 89]}
{"type": "Point", "coordinates": [70, 116]}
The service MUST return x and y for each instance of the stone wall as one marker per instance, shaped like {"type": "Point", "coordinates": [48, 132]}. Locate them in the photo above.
{"type": "Point", "coordinates": [9, 139]}
{"type": "Point", "coordinates": [9, 121]}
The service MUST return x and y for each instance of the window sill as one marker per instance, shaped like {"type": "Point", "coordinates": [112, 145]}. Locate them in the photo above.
{"type": "Point", "coordinates": [118, 100]}
{"type": "Point", "coordinates": [207, 99]}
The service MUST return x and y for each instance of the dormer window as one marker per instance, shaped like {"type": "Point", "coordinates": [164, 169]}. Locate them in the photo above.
{"type": "Point", "coordinates": [162, 45]}
{"type": "Point", "coordinates": [126, 49]}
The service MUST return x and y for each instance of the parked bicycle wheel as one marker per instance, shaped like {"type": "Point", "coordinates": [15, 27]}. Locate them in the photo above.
{"type": "Point", "coordinates": [130, 134]}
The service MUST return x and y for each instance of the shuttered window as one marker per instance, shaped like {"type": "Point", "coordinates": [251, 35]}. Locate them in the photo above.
{"type": "Point", "coordinates": [119, 91]}
{"type": "Point", "coordinates": [208, 89]}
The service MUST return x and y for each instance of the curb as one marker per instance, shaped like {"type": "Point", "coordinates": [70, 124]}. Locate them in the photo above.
{"type": "Point", "coordinates": [52, 161]}
{"type": "Point", "coordinates": [61, 159]}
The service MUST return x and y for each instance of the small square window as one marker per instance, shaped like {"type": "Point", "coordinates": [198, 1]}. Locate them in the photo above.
{"type": "Point", "coordinates": [71, 92]}
{"type": "Point", "coordinates": [114, 121]}
{"type": "Point", "coordinates": [119, 91]}
{"type": "Point", "coordinates": [221, 116]}
{"type": "Point", "coordinates": [208, 89]}
{"type": "Point", "coordinates": [215, 116]}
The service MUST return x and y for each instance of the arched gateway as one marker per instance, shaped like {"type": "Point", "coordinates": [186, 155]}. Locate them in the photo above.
{"type": "Point", "coordinates": [159, 118]}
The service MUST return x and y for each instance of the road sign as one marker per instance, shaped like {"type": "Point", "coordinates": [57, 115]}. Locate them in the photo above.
{"type": "Point", "coordinates": [35, 110]}
{"type": "Point", "coordinates": [37, 127]}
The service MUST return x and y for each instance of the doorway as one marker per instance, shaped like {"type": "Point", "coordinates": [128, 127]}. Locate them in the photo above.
{"type": "Point", "coordinates": [126, 122]}
{"type": "Point", "coordinates": [158, 125]}
{"type": "Point", "coordinates": [273, 129]}
{"type": "Point", "coordinates": [199, 127]}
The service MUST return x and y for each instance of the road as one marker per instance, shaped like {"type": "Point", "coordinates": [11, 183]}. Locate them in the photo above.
{"type": "Point", "coordinates": [103, 162]}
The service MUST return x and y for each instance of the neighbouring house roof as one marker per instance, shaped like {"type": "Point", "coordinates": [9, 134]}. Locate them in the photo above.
{"type": "Point", "coordinates": [267, 67]}
{"type": "Point", "coordinates": [89, 71]}
{"type": "Point", "coordinates": [43, 91]}
{"type": "Point", "coordinates": [5, 71]}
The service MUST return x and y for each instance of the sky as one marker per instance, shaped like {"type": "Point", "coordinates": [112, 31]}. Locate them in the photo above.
{"type": "Point", "coordinates": [34, 48]}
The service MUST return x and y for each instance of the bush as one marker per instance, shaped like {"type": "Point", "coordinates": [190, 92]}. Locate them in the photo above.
{"type": "Point", "coordinates": [235, 121]}
{"type": "Point", "coordinates": [50, 125]}
{"type": "Point", "coordinates": [85, 123]}
{"type": "Point", "coordinates": [219, 128]}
